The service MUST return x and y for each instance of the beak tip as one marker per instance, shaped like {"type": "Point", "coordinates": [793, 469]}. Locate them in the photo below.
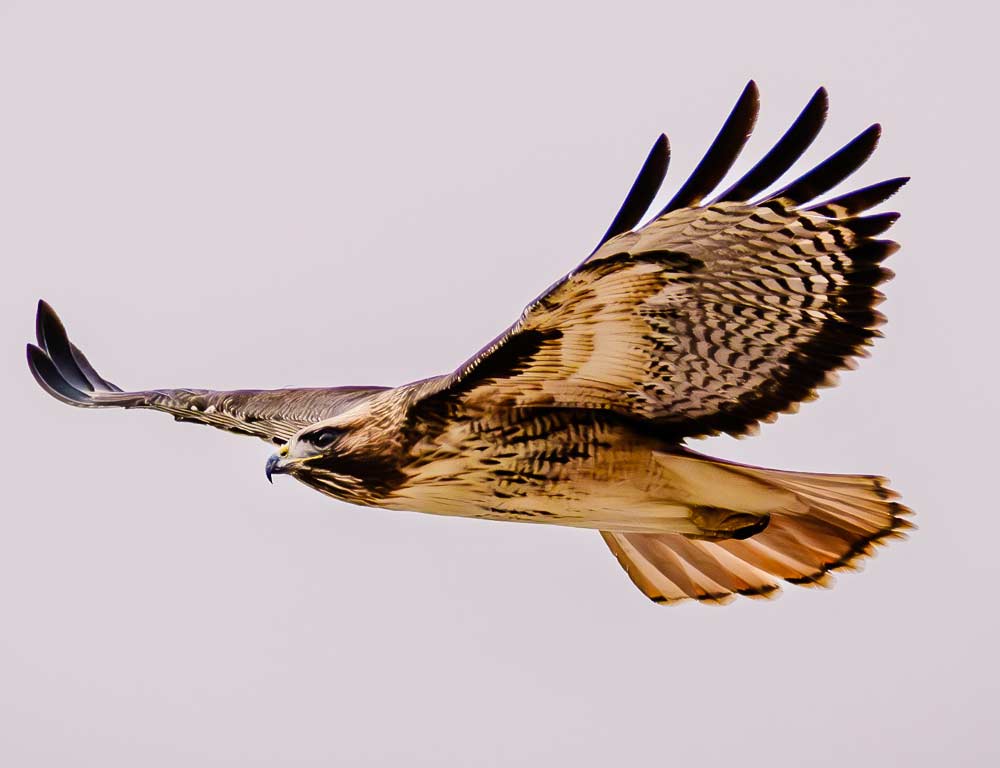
{"type": "Point", "coordinates": [269, 468]}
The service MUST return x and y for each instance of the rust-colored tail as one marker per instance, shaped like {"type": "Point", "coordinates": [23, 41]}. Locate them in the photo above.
{"type": "Point", "coordinates": [845, 517]}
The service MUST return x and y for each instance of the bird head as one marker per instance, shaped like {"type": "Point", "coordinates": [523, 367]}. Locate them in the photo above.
{"type": "Point", "coordinates": [349, 456]}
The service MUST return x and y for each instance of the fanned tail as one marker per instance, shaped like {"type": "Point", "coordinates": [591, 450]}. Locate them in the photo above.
{"type": "Point", "coordinates": [846, 517]}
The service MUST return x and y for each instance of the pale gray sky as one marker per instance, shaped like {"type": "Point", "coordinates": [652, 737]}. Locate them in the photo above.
{"type": "Point", "coordinates": [266, 194]}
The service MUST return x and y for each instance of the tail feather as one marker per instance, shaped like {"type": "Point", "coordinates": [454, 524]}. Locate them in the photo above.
{"type": "Point", "coordinates": [845, 517]}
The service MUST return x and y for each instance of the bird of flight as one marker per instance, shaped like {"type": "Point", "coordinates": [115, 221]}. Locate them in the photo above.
{"type": "Point", "coordinates": [718, 314]}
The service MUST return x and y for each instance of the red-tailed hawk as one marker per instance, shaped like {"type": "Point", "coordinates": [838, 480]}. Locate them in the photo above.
{"type": "Point", "coordinates": [712, 317]}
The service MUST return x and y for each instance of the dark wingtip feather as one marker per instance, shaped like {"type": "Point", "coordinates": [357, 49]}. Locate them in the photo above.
{"type": "Point", "coordinates": [833, 170]}
{"type": "Point", "coordinates": [53, 339]}
{"type": "Point", "coordinates": [97, 381]}
{"type": "Point", "coordinates": [860, 200]}
{"type": "Point", "coordinates": [43, 309]}
{"type": "Point", "coordinates": [784, 153]}
{"type": "Point", "coordinates": [722, 153]}
{"type": "Point", "coordinates": [870, 226]}
{"type": "Point", "coordinates": [71, 363]}
{"type": "Point", "coordinates": [49, 378]}
{"type": "Point", "coordinates": [644, 188]}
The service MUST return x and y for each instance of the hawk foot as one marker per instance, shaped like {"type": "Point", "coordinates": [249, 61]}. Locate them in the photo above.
{"type": "Point", "coordinates": [718, 524]}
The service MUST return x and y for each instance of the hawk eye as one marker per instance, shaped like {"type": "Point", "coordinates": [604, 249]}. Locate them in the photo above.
{"type": "Point", "coordinates": [324, 437]}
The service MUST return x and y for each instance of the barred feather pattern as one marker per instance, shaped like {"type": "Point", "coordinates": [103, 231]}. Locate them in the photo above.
{"type": "Point", "coordinates": [711, 318]}
{"type": "Point", "coordinates": [708, 319]}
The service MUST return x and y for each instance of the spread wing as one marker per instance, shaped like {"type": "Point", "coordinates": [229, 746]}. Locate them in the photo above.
{"type": "Point", "coordinates": [713, 317]}
{"type": "Point", "coordinates": [274, 415]}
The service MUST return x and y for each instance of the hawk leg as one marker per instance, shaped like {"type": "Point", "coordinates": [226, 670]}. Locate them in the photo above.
{"type": "Point", "coordinates": [717, 524]}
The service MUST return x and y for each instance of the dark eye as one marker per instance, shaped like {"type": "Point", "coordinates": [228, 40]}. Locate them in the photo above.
{"type": "Point", "coordinates": [324, 437]}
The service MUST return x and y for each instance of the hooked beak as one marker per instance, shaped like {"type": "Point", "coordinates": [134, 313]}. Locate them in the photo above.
{"type": "Point", "coordinates": [273, 466]}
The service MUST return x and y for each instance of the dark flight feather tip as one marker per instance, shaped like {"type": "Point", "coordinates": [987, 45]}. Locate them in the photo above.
{"type": "Point", "coordinates": [39, 326]}
{"type": "Point", "coordinates": [860, 200]}
{"type": "Point", "coordinates": [49, 378]}
{"type": "Point", "coordinates": [783, 155]}
{"type": "Point", "coordinates": [870, 226]}
{"type": "Point", "coordinates": [721, 154]}
{"type": "Point", "coordinates": [53, 339]}
{"type": "Point", "coordinates": [96, 380]}
{"type": "Point", "coordinates": [643, 190]}
{"type": "Point", "coordinates": [831, 171]}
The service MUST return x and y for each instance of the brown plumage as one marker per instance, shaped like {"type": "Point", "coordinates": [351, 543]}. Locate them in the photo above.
{"type": "Point", "coordinates": [713, 317]}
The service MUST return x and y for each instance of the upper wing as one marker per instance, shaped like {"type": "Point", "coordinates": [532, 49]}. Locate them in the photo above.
{"type": "Point", "coordinates": [714, 317]}
{"type": "Point", "coordinates": [275, 415]}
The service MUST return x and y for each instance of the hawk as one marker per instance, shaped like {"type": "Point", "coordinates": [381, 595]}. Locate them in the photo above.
{"type": "Point", "coordinates": [718, 314]}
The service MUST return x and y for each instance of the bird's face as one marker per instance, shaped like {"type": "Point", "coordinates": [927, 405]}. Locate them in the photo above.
{"type": "Point", "coordinates": [343, 457]}
{"type": "Point", "coordinates": [308, 446]}
{"type": "Point", "coordinates": [313, 455]}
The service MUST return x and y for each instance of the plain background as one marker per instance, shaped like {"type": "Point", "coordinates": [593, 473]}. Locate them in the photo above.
{"type": "Point", "coordinates": [244, 194]}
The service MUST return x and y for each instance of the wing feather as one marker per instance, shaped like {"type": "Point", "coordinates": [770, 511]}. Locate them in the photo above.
{"type": "Point", "coordinates": [643, 190]}
{"type": "Point", "coordinates": [710, 318]}
{"type": "Point", "coordinates": [721, 154]}
{"type": "Point", "coordinates": [783, 155]}
{"type": "Point", "coordinates": [860, 199]}
{"type": "Point", "coordinates": [833, 170]}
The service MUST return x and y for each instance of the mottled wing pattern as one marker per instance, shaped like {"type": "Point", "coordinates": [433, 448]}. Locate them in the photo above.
{"type": "Point", "coordinates": [272, 415]}
{"type": "Point", "coordinates": [711, 318]}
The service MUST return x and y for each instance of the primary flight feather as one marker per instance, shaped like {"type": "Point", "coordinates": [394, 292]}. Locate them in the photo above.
{"type": "Point", "coordinates": [715, 316]}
